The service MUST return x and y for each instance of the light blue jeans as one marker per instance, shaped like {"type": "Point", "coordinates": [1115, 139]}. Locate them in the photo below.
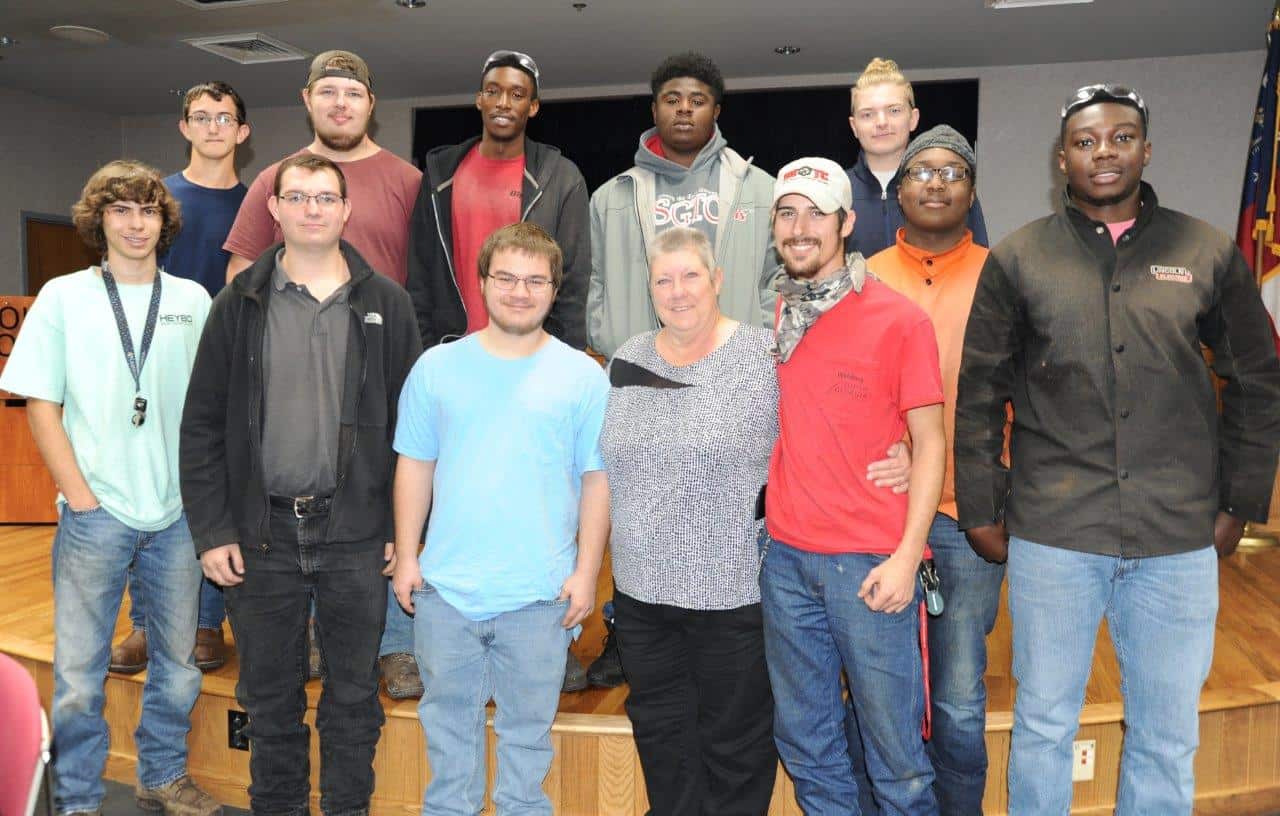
{"type": "Point", "coordinates": [92, 555]}
{"type": "Point", "coordinates": [515, 659]}
{"type": "Point", "coordinates": [213, 611]}
{"type": "Point", "coordinates": [1160, 612]}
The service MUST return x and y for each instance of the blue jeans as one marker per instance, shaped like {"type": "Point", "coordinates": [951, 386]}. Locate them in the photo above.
{"type": "Point", "coordinates": [397, 635]}
{"type": "Point", "coordinates": [957, 663]}
{"type": "Point", "coordinates": [517, 659]}
{"type": "Point", "coordinates": [92, 555]}
{"type": "Point", "coordinates": [1160, 612]}
{"type": "Point", "coordinates": [815, 624]}
{"type": "Point", "coordinates": [212, 609]}
{"type": "Point", "coordinates": [269, 612]}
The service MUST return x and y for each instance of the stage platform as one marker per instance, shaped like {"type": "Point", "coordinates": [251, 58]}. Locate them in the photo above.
{"type": "Point", "coordinates": [596, 770]}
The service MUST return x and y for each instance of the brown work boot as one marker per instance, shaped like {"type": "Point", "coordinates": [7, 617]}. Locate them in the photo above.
{"type": "Point", "coordinates": [130, 657]}
{"type": "Point", "coordinates": [180, 797]}
{"type": "Point", "coordinates": [400, 673]}
{"type": "Point", "coordinates": [211, 652]}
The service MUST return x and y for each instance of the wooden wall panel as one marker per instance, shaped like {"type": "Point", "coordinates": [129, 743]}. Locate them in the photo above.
{"type": "Point", "coordinates": [27, 491]}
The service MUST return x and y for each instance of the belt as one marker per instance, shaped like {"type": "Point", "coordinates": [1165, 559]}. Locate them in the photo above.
{"type": "Point", "coordinates": [303, 506]}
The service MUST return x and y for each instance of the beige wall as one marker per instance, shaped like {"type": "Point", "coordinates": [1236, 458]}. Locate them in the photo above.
{"type": "Point", "coordinates": [47, 151]}
{"type": "Point", "coordinates": [1201, 114]}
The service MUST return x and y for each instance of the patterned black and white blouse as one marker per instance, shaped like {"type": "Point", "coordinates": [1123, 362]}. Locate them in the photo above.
{"type": "Point", "coordinates": [687, 450]}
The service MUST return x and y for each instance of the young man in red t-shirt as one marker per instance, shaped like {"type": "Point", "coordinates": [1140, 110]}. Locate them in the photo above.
{"type": "Point", "coordinates": [381, 188]}
{"type": "Point", "coordinates": [857, 369]}
{"type": "Point", "coordinates": [498, 178]}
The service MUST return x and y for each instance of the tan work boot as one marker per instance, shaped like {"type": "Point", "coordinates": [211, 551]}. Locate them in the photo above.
{"type": "Point", "coordinates": [180, 797]}
{"type": "Point", "coordinates": [211, 652]}
{"type": "Point", "coordinates": [130, 657]}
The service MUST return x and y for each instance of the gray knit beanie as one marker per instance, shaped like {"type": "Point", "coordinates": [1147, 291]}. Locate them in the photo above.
{"type": "Point", "coordinates": [941, 136]}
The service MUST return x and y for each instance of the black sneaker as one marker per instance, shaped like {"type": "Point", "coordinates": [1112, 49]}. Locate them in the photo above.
{"type": "Point", "coordinates": [575, 677]}
{"type": "Point", "coordinates": [606, 670]}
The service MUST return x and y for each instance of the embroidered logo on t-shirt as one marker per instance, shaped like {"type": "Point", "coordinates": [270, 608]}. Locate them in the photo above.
{"type": "Point", "coordinates": [175, 320]}
{"type": "Point", "coordinates": [740, 214]}
{"type": "Point", "coordinates": [851, 384]}
{"type": "Point", "coordinates": [373, 319]}
{"type": "Point", "coordinates": [1176, 274]}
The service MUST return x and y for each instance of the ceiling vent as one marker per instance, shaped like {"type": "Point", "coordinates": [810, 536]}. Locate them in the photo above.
{"type": "Point", "coordinates": [248, 49]}
{"type": "Point", "coordinates": [210, 5]}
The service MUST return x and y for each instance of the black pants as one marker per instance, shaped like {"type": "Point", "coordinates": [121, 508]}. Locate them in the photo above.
{"type": "Point", "coordinates": [269, 613]}
{"type": "Point", "coordinates": [700, 707]}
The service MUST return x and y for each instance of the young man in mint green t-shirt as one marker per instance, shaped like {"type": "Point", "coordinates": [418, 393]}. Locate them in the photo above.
{"type": "Point", "coordinates": [498, 434]}
{"type": "Point", "coordinates": [103, 359]}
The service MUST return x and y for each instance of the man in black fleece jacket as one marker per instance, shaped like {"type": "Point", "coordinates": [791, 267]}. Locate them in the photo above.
{"type": "Point", "coordinates": [286, 466]}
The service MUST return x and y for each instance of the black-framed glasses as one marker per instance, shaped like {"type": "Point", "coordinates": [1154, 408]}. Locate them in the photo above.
{"type": "Point", "coordinates": [323, 200]}
{"type": "Point", "coordinates": [503, 57]}
{"type": "Point", "coordinates": [1105, 92]}
{"type": "Point", "coordinates": [507, 282]}
{"type": "Point", "coordinates": [950, 173]}
{"type": "Point", "coordinates": [221, 120]}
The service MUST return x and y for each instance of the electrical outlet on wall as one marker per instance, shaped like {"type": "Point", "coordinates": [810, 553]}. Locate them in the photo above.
{"type": "Point", "coordinates": [237, 721]}
{"type": "Point", "coordinates": [1083, 755]}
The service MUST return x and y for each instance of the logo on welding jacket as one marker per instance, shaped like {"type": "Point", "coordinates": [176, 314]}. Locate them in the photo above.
{"type": "Point", "coordinates": [1176, 274]}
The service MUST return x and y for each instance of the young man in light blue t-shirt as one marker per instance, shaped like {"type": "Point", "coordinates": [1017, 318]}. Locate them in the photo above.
{"type": "Point", "coordinates": [103, 359]}
{"type": "Point", "coordinates": [499, 437]}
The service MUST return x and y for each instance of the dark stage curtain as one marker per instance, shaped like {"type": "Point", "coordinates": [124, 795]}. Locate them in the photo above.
{"type": "Point", "coordinates": [774, 126]}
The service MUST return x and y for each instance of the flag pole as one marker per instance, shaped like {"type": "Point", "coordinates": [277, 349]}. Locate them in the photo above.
{"type": "Point", "coordinates": [1254, 539]}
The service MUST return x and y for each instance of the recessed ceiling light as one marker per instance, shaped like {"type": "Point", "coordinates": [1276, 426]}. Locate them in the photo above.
{"type": "Point", "coordinates": [787, 50]}
{"type": "Point", "coordinates": [1010, 4]}
{"type": "Point", "coordinates": [411, 4]}
{"type": "Point", "coordinates": [83, 35]}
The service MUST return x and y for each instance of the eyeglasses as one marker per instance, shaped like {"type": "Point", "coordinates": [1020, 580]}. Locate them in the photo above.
{"type": "Point", "coordinates": [950, 173]}
{"type": "Point", "coordinates": [523, 60]}
{"type": "Point", "coordinates": [507, 283]}
{"type": "Point", "coordinates": [323, 200]}
{"type": "Point", "coordinates": [1105, 92]}
{"type": "Point", "coordinates": [203, 119]}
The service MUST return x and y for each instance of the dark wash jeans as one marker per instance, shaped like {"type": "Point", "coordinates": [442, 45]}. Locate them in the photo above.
{"type": "Point", "coordinates": [268, 615]}
{"type": "Point", "coordinates": [700, 706]}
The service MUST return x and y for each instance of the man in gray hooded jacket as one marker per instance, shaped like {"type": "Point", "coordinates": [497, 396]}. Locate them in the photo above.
{"type": "Point", "coordinates": [685, 175]}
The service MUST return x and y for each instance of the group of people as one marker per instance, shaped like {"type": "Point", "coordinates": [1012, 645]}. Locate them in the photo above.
{"type": "Point", "coordinates": [825, 402]}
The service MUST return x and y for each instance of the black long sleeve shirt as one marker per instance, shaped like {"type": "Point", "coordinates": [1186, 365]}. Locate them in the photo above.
{"type": "Point", "coordinates": [1117, 444]}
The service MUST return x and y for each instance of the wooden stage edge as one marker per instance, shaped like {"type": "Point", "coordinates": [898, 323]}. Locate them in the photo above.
{"type": "Point", "coordinates": [596, 770]}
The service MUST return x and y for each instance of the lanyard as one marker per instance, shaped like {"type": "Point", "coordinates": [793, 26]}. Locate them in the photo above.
{"type": "Point", "coordinates": [136, 362]}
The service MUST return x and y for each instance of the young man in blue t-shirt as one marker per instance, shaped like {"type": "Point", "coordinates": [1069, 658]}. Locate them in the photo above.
{"type": "Point", "coordinates": [499, 437]}
{"type": "Point", "coordinates": [210, 192]}
{"type": "Point", "coordinates": [103, 359]}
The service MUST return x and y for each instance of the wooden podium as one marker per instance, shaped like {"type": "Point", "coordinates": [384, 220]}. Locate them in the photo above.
{"type": "Point", "coordinates": [27, 491]}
